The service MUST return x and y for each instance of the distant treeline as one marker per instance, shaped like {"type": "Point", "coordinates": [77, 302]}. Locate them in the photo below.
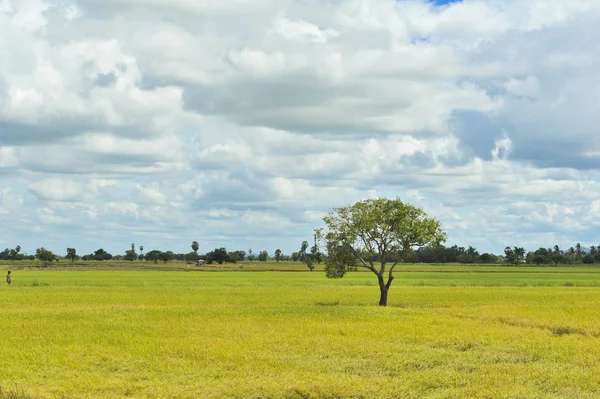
{"type": "Point", "coordinates": [429, 254]}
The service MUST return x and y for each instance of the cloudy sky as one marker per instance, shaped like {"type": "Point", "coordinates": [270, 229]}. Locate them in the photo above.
{"type": "Point", "coordinates": [239, 123]}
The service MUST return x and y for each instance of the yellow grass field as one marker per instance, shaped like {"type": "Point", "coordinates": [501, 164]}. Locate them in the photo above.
{"type": "Point", "coordinates": [448, 333]}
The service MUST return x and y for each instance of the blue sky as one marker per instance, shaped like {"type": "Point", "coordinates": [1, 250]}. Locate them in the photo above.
{"type": "Point", "coordinates": [443, 2]}
{"type": "Point", "coordinates": [173, 121]}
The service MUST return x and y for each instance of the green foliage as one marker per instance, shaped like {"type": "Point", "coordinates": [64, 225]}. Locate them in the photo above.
{"type": "Point", "coordinates": [191, 256]}
{"type": "Point", "coordinates": [153, 256]}
{"type": "Point", "coordinates": [195, 246]}
{"type": "Point", "coordinates": [588, 259]}
{"type": "Point", "coordinates": [306, 257]}
{"type": "Point", "coordinates": [381, 228]}
{"type": "Point", "coordinates": [99, 255]}
{"type": "Point", "coordinates": [263, 256]}
{"type": "Point", "coordinates": [167, 256]}
{"type": "Point", "coordinates": [14, 253]}
{"type": "Point", "coordinates": [44, 255]}
{"type": "Point", "coordinates": [71, 254]}
{"type": "Point", "coordinates": [278, 254]}
{"type": "Point", "coordinates": [236, 256]}
{"type": "Point", "coordinates": [514, 255]}
{"type": "Point", "coordinates": [218, 255]}
{"type": "Point", "coordinates": [340, 260]}
{"type": "Point", "coordinates": [130, 255]}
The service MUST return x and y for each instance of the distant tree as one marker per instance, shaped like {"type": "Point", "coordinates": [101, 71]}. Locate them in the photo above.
{"type": "Point", "coordinates": [514, 255]}
{"type": "Point", "coordinates": [263, 256]}
{"type": "Point", "coordinates": [192, 256]}
{"type": "Point", "coordinates": [44, 255]}
{"type": "Point", "coordinates": [251, 257]}
{"type": "Point", "coordinates": [520, 254]}
{"type": "Point", "coordinates": [314, 250]}
{"type": "Point", "coordinates": [588, 259]}
{"type": "Point", "coordinates": [71, 254]}
{"type": "Point", "coordinates": [578, 251]}
{"type": "Point", "coordinates": [557, 256]}
{"type": "Point", "coordinates": [539, 256]}
{"type": "Point", "coordinates": [236, 256]}
{"type": "Point", "coordinates": [307, 257]}
{"type": "Point", "coordinates": [195, 248]}
{"type": "Point", "coordinates": [167, 256]}
{"type": "Point", "coordinates": [130, 255]}
{"type": "Point", "coordinates": [388, 228]}
{"type": "Point", "coordinates": [141, 250]}
{"type": "Point", "coordinates": [218, 255]}
{"type": "Point", "coordinates": [278, 254]}
{"type": "Point", "coordinates": [101, 254]}
{"type": "Point", "coordinates": [487, 258]}
{"type": "Point", "coordinates": [13, 254]}
{"type": "Point", "coordinates": [295, 256]}
{"type": "Point", "coordinates": [510, 255]}
{"type": "Point", "coordinates": [153, 256]}
{"type": "Point", "coordinates": [571, 255]}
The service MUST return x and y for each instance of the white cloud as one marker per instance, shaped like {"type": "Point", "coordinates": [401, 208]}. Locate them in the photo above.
{"type": "Point", "coordinates": [130, 118]}
{"type": "Point", "coordinates": [56, 189]}
{"type": "Point", "coordinates": [303, 30]}
{"type": "Point", "coordinates": [152, 194]}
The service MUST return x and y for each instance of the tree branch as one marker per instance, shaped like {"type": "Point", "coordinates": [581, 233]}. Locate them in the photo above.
{"type": "Point", "coordinates": [370, 267]}
{"type": "Point", "coordinates": [390, 275]}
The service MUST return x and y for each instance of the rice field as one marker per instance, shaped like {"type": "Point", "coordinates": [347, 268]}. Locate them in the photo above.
{"type": "Point", "coordinates": [448, 332]}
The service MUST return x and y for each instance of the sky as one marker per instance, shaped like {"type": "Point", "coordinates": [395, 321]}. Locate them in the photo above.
{"type": "Point", "coordinates": [241, 123]}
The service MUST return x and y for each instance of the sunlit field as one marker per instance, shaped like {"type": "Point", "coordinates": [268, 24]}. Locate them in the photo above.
{"type": "Point", "coordinates": [189, 332]}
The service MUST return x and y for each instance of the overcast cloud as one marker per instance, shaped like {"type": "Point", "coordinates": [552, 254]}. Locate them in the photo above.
{"type": "Point", "coordinates": [240, 123]}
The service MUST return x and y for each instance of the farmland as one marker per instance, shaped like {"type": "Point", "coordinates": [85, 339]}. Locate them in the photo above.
{"type": "Point", "coordinates": [139, 330]}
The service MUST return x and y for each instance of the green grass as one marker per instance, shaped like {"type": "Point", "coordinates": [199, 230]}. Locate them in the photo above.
{"type": "Point", "coordinates": [495, 332]}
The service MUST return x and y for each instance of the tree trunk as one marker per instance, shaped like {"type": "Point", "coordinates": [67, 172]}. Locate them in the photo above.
{"type": "Point", "coordinates": [383, 297]}
{"type": "Point", "coordinates": [383, 288]}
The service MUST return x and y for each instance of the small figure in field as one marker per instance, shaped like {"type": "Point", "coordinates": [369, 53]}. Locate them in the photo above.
{"type": "Point", "coordinates": [8, 279]}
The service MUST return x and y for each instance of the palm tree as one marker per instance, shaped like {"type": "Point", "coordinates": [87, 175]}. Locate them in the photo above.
{"type": "Point", "coordinates": [519, 253]}
{"type": "Point", "coordinates": [195, 247]}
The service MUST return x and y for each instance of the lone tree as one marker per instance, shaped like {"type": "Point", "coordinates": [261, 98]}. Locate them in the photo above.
{"type": "Point", "coordinates": [382, 230]}
{"type": "Point", "coordinates": [44, 255]}
{"type": "Point", "coordinates": [195, 248]}
{"type": "Point", "coordinates": [71, 254]}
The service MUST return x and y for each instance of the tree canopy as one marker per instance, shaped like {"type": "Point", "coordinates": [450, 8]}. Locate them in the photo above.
{"type": "Point", "coordinates": [382, 229]}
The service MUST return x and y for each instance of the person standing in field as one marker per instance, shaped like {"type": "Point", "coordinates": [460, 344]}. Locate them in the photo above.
{"type": "Point", "coordinates": [8, 279]}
